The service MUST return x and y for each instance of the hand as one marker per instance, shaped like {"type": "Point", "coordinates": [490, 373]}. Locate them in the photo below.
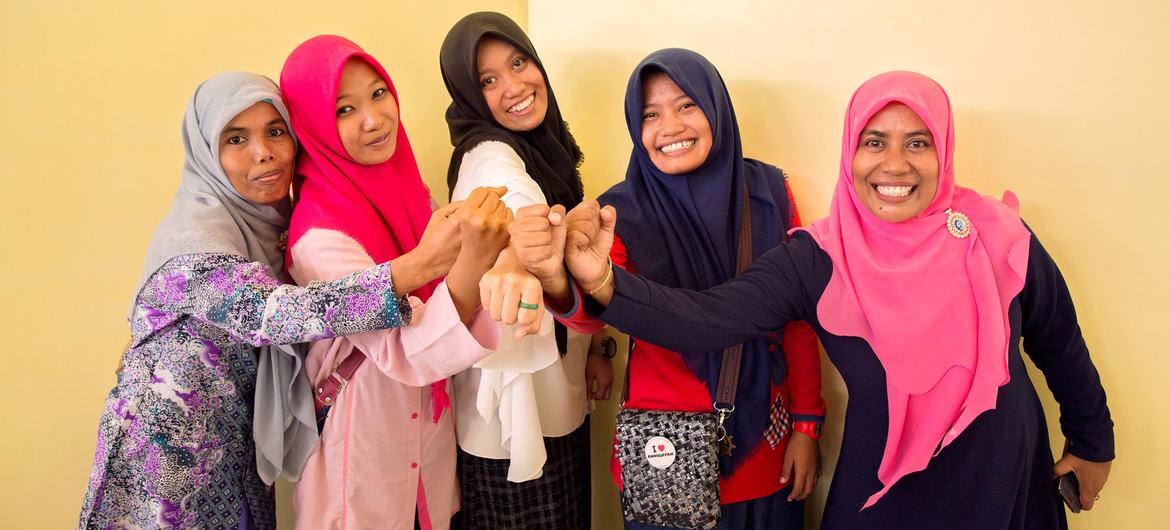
{"type": "Point", "coordinates": [440, 242]}
{"type": "Point", "coordinates": [802, 464]}
{"type": "Point", "coordinates": [588, 241]}
{"type": "Point", "coordinates": [538, 237]}
{"type": "Point", "coordinates": [1091, 476]}
{"type": "Point", "coordinates": [504, 287]}
{"type": "Point", "coordinates": [483, 223]}
{"type": "Point", "coordinates": [598, 377]}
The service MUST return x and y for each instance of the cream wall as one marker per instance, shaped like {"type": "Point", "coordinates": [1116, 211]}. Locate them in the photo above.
{"type": "Point", "coordinates": [1059, 98]}
{"type": "Point", "coordinates": [91, 98]}
{"type": "Point", "coordinates": [1062, 102]}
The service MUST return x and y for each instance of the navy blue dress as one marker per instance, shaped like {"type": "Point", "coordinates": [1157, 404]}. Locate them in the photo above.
{"type": "Point", "coordinates": [997, 474]}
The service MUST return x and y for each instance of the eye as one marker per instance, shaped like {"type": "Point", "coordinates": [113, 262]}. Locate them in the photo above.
{"type": "Point", "coordinates": [649, 116]}
{"type": "Point", "coordinates": [872, 143]}
{"type": "Point", "coordinates": [687, 106]}
{"type": "Point", "coordinates": [276, 132]}
{"type": "Point", "coordinates": [344, 110]}
{"type": "Point", "coordinates": [487, 82]}
{"type": "Point", "coordinates": [235, 140]}
{"type": "Point", "coordinates": [378, 93]}
{"type": "Point", "coordinates": [918, 144]}
{"type": "Point", "coordinates": [519, 63]}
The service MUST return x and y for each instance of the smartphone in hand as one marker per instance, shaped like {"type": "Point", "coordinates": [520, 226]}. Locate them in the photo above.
{"type": "Point", "coordinates": [1070, 490]}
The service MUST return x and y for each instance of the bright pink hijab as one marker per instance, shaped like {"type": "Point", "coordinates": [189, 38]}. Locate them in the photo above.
{"type": "Point", "coordinates": [934, 307]}
{"type": "Point", "coordinates": [385, 207]}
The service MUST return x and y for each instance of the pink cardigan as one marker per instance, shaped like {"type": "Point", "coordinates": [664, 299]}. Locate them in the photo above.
{"type": "Point", "coordinates": [380, 455]}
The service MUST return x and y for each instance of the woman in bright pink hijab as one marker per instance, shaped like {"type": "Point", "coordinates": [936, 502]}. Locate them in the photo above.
{"type": "Point", "coordinates": [920, 291]}
{"type": "Point", "coordinates": [386, 458]}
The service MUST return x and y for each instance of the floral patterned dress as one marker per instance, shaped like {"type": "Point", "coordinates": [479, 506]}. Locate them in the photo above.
{"type": "Point", "coordinates": [174, 443]}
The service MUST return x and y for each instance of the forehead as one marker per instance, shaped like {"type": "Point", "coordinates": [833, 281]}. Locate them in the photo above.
{"type": "Point", "coordinates": [258, 115]}
{"type": "Point", "coordinates": [896, 117]}
{"type": "Point", "coordinates": [658, 87]}
{"type": "Point", "coordinates": [357, 73]}
{"type": "Point", "coordinates": [493, 49]}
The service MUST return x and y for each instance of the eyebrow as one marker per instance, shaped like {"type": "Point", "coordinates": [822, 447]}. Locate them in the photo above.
{"type": "Point", "coordinates": [880, 134]}
{"type": "Point", "coordinates": [231, 131]}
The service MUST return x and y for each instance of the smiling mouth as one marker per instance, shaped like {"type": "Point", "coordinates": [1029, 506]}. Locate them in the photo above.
{"type": "Point", "coordinates": [893, 192]}
{"type": "Point", "coordinates": [379, 142]}
{"type": "Point", "coordinates": [676, 146]}
{"type": "Point", "coordinates": [523, 105]}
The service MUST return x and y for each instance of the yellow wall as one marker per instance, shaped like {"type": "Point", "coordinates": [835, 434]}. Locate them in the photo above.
{"type": "Point", "coordinates": [1062, 102]}
{"type": "Point", "coordinates": [1056, 101]}
{"type": "Point", "coordinates": [91, 98]}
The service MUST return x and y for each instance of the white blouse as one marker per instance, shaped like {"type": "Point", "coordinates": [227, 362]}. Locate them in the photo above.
{"type": "Point", "coordinates": [513, 398]}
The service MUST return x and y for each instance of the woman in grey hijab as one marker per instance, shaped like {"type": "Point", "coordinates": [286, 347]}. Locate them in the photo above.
{"type": "Point", "coordinates": [211, 325]}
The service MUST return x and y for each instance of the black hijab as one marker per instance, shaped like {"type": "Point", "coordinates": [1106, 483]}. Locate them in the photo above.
{"type": "Point", "coordinates": [549, 152]}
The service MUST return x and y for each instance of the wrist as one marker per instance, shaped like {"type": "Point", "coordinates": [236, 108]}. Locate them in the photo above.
{"type": "Point", "coordinates": [812, 429]}
{"type": "Point", "coordinates": [606, 349]}
{"type": "Point", "coordinates": [606, 280]}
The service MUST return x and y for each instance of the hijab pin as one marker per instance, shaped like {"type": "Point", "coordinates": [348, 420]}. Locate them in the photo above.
{"type": "Point", "coordinates": [958, 224]}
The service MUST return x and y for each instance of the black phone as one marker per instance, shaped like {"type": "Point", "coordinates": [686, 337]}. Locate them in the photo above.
{"type": "Point", "coordinates": [1070, 490]}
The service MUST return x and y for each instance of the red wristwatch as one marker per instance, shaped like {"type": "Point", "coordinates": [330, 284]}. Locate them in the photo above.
{"type": "Point", "coordinates": [810, 428]}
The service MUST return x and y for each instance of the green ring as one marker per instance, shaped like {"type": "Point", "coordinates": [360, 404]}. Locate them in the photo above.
{"type": "Point", "coordinates": [533, 307]}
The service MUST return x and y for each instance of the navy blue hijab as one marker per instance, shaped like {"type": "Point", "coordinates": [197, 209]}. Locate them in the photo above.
{"type": "Point", "coordinates": [682, 230]}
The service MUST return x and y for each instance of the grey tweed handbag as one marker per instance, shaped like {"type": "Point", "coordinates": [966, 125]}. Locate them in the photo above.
{"type": "Point", "coordinates": [670, 459]}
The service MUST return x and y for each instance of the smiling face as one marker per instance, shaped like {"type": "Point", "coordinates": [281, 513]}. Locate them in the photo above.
{"type": "Point", "coordinates": [367, 117]}
{"type": "Point", "coordinates": [675, 132]}
{"type": "Point", "coordinates": [257, 152]}
{"type": "Point", "coordinates": [895, 169]}
{"type": "Point", "coordinates": [512, 85]}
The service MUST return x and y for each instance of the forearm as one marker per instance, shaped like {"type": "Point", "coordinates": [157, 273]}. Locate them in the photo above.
{"type": "Point", "coordinates": [463, 282]}
{"type": "Point", "coordinates": [411, 271]}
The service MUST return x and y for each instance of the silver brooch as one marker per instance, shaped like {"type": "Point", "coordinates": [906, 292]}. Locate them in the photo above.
{"type": "Point", "coordinates": [958, 224]}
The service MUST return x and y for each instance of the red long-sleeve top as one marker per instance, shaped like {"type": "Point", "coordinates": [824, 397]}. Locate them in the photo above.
{"type": "Point", "coordinates": [660, 380]}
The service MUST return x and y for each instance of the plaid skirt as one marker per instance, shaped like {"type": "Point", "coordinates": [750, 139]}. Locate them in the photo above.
{"type": "Point", "coordinates": [558, 500]}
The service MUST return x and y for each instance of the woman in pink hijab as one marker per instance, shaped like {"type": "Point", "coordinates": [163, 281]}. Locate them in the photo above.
{"type": "Point", "coordinates": [386, 458]}
{"type": "Point", "coordinates": [920, 291]}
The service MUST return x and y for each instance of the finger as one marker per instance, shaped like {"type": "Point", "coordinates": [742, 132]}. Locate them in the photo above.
{"type": "Point", "coordinates": [786, 473]}
{"type": "Point", "coordinates": [1061, 467]}
{"type": "Point", "coordinates": [450, 208]}
{"type": "Point", "coordinates": [533, 210]}
{"type": "Point", "coordinates": [608, 220]}
{"type": "Point", "coordinates": [531, 294]}
{"type": "Point", "coordinates": [485, 292]}
{"type": "Point", "coordinates": [556, 214]}
{"type": "Point", "coordinates": [798, 486]}
{"type": "Point", "coordinates": [511, 302]}
{"type": "Point", "coordinates": [608, 387]}
{"type": "Point", "coordinates": [495, 300]}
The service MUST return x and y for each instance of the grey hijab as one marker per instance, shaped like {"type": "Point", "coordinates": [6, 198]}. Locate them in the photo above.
{"type": "Point", "coordinates": [208, 215]}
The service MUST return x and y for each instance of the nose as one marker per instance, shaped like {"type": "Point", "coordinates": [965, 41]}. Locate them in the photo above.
{"type": "Point", "coordinates": [896, 162]}
{"type": "Point", "coordinates": [371, 121]}
{"type": "Point", "coordinates": [671, 124]}
{"type": "Point", "coordinates": [263, 151]}
{"type": "Point", "coordinates": [512, 87]}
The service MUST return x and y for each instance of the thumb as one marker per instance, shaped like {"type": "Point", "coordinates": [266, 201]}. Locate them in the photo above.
{"type": "Point", "coordinates": [1062, 467]}
{"type": "Point", "coordinates": [499, 190]}
{"type": "Point", "coordinates": [608, 219]}
{"type": "Point", "coordinates": [556, 215]}
{"type": "Point", "coordinates": [786, 469]}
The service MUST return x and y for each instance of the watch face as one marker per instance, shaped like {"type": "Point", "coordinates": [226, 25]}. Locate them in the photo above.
{"type": "Point", "coordinates": [609, 347]}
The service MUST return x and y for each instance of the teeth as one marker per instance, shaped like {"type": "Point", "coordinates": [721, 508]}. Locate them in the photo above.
{"type": "Point", "coordinates": [894, 191]}
{"type": "Point", "coordinates": [677, 146]}
{"type": "Point", "coordinates": [519, 107]}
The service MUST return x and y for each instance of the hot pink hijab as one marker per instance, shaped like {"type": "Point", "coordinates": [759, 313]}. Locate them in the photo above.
{"type": "Point", "coordinates": [933, 306]}
{"type": "Point", "coordinates": [385, 207]}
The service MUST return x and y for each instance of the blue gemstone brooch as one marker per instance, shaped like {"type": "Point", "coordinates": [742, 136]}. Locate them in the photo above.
{"type": "Point", "coordinates": [958, 224]}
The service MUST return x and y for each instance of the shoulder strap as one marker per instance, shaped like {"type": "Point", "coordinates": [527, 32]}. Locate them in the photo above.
{"type": "Point", "coordinates": [732, 355]}
{"type": "Point", "coordinates": [729, 371]}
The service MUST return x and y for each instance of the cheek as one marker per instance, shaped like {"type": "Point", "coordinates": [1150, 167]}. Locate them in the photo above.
{"type": "Point", "coordinates": [648, 140]}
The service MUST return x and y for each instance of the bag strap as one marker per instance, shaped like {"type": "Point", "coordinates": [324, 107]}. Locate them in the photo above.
{"type": "Point", "coordinates": [732, 355]}
{"type": "Point", "coordinates": [326, 393]}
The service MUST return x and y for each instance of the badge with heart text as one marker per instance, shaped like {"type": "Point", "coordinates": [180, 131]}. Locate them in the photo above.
{"type": "Point", "coordinates": [660, 452]}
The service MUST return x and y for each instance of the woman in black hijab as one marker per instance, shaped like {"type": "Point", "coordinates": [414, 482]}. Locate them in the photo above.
{"type": "Point", "coordinates": [521, 414]}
